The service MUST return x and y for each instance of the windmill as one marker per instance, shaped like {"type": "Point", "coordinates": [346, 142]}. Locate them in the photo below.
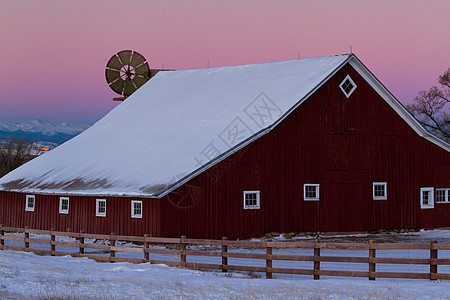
{"type": "Point", "coordinates": [126, 71]}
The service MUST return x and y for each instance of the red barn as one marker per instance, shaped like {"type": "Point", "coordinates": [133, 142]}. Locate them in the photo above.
{"type": "Point", "coordinates": [315, 144]}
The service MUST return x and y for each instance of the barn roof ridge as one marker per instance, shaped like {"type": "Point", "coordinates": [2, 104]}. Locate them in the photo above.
{"type": "Point", "coordinates": [214, 101]}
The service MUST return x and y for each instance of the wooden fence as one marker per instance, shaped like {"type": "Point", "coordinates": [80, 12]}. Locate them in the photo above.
{"type": "Point", "coordinates": [178, 247]}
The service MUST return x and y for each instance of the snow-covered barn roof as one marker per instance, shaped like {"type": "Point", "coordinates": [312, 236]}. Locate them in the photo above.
{"type": "Point", "coordinates": [179, 124]}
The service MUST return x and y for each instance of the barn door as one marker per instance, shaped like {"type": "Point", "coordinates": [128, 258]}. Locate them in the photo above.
{"type": "Point", "coordinates": [343, 207]}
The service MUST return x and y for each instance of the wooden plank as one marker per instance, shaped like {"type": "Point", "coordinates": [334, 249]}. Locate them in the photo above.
{"type": "Point", "coordinates": [224, 258]}
{"type": "Point", "coordinates": [162, 251]}
{"type": "Point", "coordinates": [126, 249]}
{"type": "Point", "coordinates": [441, 246]}
{"type": "Point", "coordinates": [293, 257]}
{"type": "Point", "coordinates": [157, 240]}
{"type": "Point", "coordinates": [433, 258]}
{"type": "Point", "coordinates": [316, 261]}
{"type": "Point", "coordinates": [94, 236]}
{"type": "Point", "coordinates": [66, 244]}
{"type": "Point", "coordinates": [399, 246]}
{"type": "Point", "coordinates": [308, 245]}
{"type": "Point", "coordinates": [94, 246]}
{"type": "Point", "coordinates": [36, 241]}
{"type": "Point", "coordinates": [243, 244]}
{"type": "Point", "coordinates": [203, 266]}
{"type": "Point", "coordinates": [402, 275]}
{"type": "Point", "coordinates": [343, 246]}
{"type": "Point", "coordinates": [372, 264]}
{"type": "Point", "coordinates": [5, 247]}
{"type": "Point", "coordinates": [343, 259]}
{"type": "Point", "coordinates": [203, 242]}
{"type": "Point", "coordinates": [344, 273]}
{"type": "Point", "coordinates": [441, 276]}
{"type": "Point", "coordinates": [202, 253]}
{"type": "Point", "coordinates": [268, 261]}
{"type": "Point", "coordinates": [12, 229]}
{"type": "Point", "coordinates": [13, 238]}
{"type": "Point", "coordinates": [443, 261]}
{"type": "Point", "coordinates": [406, 261]}
{"type": "Point", "coordinates": [291, 271]}
{"type": "Point", "coordinates": [146, 255]}
{"type": "Point", "coordinates": [245, 255]}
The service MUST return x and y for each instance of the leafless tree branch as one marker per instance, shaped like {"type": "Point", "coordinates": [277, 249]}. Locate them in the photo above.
{"type": "Point", "coordinates": [430, 108]}
{"type": "Point", "coordinates": [13, 153]}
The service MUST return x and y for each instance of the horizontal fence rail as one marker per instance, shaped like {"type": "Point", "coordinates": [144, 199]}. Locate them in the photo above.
{"type": "Point", "coordinates": [177, 248]}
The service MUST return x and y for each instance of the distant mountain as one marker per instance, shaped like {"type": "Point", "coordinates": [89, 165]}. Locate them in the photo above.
{"type": "Point", "coordinates": [41, 131]}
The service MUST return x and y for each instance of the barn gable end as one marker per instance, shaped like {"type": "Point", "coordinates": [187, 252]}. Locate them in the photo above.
{"type": "Point", "coordinates": [342, 144]}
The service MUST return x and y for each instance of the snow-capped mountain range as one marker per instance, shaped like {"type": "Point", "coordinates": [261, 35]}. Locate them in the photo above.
{"type": "Point", "coordinates": [41, 131]}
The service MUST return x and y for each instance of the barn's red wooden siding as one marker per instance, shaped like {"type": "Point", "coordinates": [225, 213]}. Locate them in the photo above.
{"type": "Point", "coordinates": [342, 144]}
{"type": "Point", "coordinates": [81, 216]}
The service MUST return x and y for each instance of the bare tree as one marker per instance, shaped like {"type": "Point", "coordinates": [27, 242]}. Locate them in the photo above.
{"type": "Point", "coordinates": [431, 110]}
{"type": "Point", "coordinates": [13, 153]}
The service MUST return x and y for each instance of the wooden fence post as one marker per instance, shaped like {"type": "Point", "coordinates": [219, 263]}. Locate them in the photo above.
{"type": "Point", "coordinates": [371, 263]}
{"type": "Point", "coordinates": [2, 234]}
{"type": "Point", "coordinates": [146, 254]}
{"type": "Point", "coordinates": [112, 243]}
{"type": "Point", "coordinates": [268, 260]}
{"type": "Point", "coordinates": [224, 258]}
{"type": "Point", "coordinates": [433, 257]}
{"type": "Point", "coordinates": [183, 249]}
{"type": "Point", "coordinates": [81, 242]}
{"type": "Point", "coordinates": [27, 236]}
{"type": "Point", "coordinates": [52, 239]}
{"type": "Point", "coordinates": [316, 261]}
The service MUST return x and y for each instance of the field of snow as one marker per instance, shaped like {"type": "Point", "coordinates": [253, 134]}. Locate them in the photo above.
{"type": "Point", "coordinates": [26, 275]}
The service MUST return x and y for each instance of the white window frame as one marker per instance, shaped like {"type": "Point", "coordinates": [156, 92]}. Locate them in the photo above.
{"type": "Point", "coordinates": [97, 206]}
{"type": "Point", "coordinates": [61, 210]}
{"type": "Point", "coordinates": [430, 200]}
{"type": "Point", "coordinates": [27, 208]}
{"type": "Point", "coordinates": [446, 191]}
{"type": "Point", "coordinates": [133, 215]}
{"type": "Point", "coordinates": [317, 186]}
{"type": "Point", "coordinates": [352, 82]}
{"type": "Point", "coordinates": [258, 203]}
{"type": "Point", "coordinates": [385, 191]}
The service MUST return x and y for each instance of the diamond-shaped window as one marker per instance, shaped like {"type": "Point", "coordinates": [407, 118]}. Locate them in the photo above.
{"type": "Point", "coordinates": [347, 86]}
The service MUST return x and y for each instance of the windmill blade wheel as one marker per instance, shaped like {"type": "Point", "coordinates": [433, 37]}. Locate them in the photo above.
{"type": "Point", "coordinates": [126, 71]}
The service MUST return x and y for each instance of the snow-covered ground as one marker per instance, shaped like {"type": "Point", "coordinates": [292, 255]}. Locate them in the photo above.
{"type": "Point", "coordinates": [26, 275]}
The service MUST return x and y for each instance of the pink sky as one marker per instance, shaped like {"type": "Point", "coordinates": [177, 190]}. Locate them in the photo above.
{"type": "Point", "coordinates": [54, 52]}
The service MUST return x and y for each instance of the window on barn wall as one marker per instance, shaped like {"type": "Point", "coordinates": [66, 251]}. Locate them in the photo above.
{"type": "Point", "coordinates": [251, 200]}
{"type": "Point", "coordinates": [427, 197]}
{"type": "Point", "coordinates": [379, 191]}
{"type": "Point", "coordinates": [136, 209]}
{"type": "Point", "coordinates": [347, 86]}
{"type": "Point", "coordinates": [100, 207]}
{"type": "Point", "coordinates": [311, 192]}
{"type": "Point", "coordinates": [63, 205]}
{"type": "Point", "coordinates": [442, 195]}
{"type": "Point", "coordinates": [30, 201]}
